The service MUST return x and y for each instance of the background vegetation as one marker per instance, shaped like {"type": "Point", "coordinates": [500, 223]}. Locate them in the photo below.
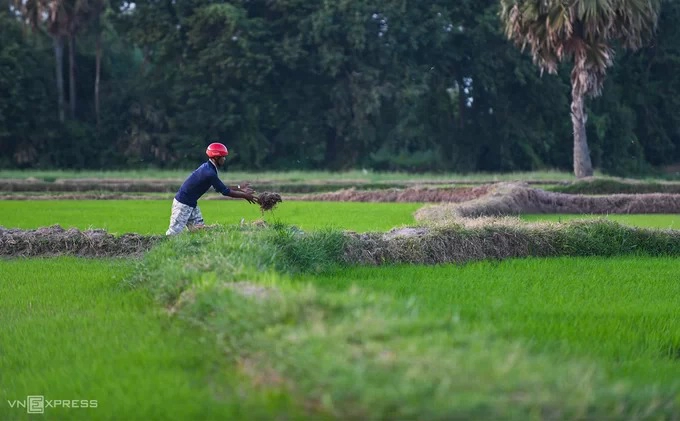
{"type": "Point", "coordinates": [300, 85]}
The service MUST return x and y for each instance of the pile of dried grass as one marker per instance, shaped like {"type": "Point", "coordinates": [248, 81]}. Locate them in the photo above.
{"type": "Point", "coordinates": [519, 198]}
{"type": "Point", "coordinates": [55, 241]}
{"type": "Point", "coordinates": [505, 239]}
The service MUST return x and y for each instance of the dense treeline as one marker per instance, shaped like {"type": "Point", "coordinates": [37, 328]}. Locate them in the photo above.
{"type": "Point", "coordinates": [298, 84]}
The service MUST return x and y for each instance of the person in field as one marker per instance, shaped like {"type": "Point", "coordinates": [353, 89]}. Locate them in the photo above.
{"type": "Point", "coordinates": [185, 211]}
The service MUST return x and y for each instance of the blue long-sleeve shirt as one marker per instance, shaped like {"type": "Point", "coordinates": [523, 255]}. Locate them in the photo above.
{"type": "Point", "coordinates": [198, 183]}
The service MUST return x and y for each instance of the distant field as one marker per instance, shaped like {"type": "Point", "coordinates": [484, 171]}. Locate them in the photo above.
{"type": "Point", "coordinates": [645, 221]}
{"type": "Point", "coordinates": [153, 216]}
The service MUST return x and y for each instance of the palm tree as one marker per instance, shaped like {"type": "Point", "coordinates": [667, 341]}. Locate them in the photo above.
{"type": "Point", "coordinates": [584, 32]}
{"type": "Point", "coordinates": [98, 8]}
{"type": "Point", "coordinates": [77, 14]}
{"type": "Point", "coordinates": [61, 19]}
{"type": "Point", "coordinates": [37, 13]}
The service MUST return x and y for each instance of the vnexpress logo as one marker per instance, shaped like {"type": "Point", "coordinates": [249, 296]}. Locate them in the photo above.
{"type": "Point", "coordinates": [36, 404]}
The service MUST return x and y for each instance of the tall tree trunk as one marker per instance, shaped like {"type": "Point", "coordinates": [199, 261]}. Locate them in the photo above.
{"type": "Point", "coordinates": [98, 66]}
{"type": "Point", "coordinates": [583, 166]}
{"type": "Point", "coordinates": [72, 74]}
{"type": "Point", "coordinates": [331, 155]}
{"type": "Point", "coordinates": [59, 70]}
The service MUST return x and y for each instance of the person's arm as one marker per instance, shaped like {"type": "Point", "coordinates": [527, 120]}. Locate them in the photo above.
{"type": "Point", "coordinates": [244, 187]}
{"type": "Point", "coordinates": [238, 194]}
{"type": "Point", "coordinates": [219, 186]}
{"type": "Point", "coordinates": [243, 195]}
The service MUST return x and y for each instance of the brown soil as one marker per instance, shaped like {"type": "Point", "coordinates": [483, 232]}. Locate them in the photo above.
{"type": "Point", "coordinates": [55, 241]}
{"type": "Point", "coordinates": [415, 194]}
{"type": "Point", "coordinates": [171, 185]}
{"type": "Point", "coordinates": [83, 196]}
{"type": "Point", "coordinates": [85, 185]}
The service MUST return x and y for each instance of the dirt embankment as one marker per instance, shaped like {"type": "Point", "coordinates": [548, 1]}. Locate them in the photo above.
{"type": "Point", "coordinates": [498, 239]}
{"type": "Point", "coordinates": [481, 207]}
{"type": "Point", "coordinates": [412, 194]}
{"type": "Point", "coordinates": [84, 196]}
{"type": "Point", "coordinates": [150, 185]}
{"type": "Point", "coordinates": [88, 185]}
{"type": "Point", "coordinates": [57, 241]}
{"type": "Point", "coordinates": [518, 198]}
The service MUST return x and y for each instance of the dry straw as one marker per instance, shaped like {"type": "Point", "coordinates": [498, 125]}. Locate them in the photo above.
{"type": "Point", "coordinates": [518, 198]}
{"type": "Point", "coordinates": [483, 228]}
{"type": "Point", "coordinates": [55, 240]}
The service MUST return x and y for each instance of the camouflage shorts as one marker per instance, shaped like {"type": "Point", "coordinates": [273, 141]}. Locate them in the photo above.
{"type": "Point", "coordinates": [182, 216]}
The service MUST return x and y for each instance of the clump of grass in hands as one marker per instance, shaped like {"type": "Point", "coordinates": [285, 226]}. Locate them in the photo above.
{"type": "Point", "coordinates": [268, 201]}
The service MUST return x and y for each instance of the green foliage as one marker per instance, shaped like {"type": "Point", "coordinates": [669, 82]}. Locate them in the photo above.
{"type": "Point", "coordinates": [71, 333]}
{"type": "Point", "coordinates": [405, 160]}
{"type": "Point", "coordinates": [609, 309]}
{"type": "Point", "coordinates": [608, 238]}
{"type": "Point", "coordinates": [313, 252]}
{"type": "Point", "coordinates": [231, 253]}
{"type": "Point", "coordinates": [291, 85]}
{"type": "Point", "coordinates": [334, 339]}
{"type": "Point", "coordinates": [27, 121]}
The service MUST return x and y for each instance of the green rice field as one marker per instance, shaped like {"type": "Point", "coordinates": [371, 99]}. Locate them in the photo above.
{"type": "Point", "coordinates": [70, 331]}
{"type": "Point", "coordinates": [240, 323]}
{"type": "Point", "coordinates": [621, 312]}
{"type": "Point", "coordinates": [153, 216]}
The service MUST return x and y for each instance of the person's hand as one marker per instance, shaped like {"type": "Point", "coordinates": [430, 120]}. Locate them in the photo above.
{"type": "Point", "coordinates": [245, 188]}
{"type": "Point", "coordinates": [251, 198]}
